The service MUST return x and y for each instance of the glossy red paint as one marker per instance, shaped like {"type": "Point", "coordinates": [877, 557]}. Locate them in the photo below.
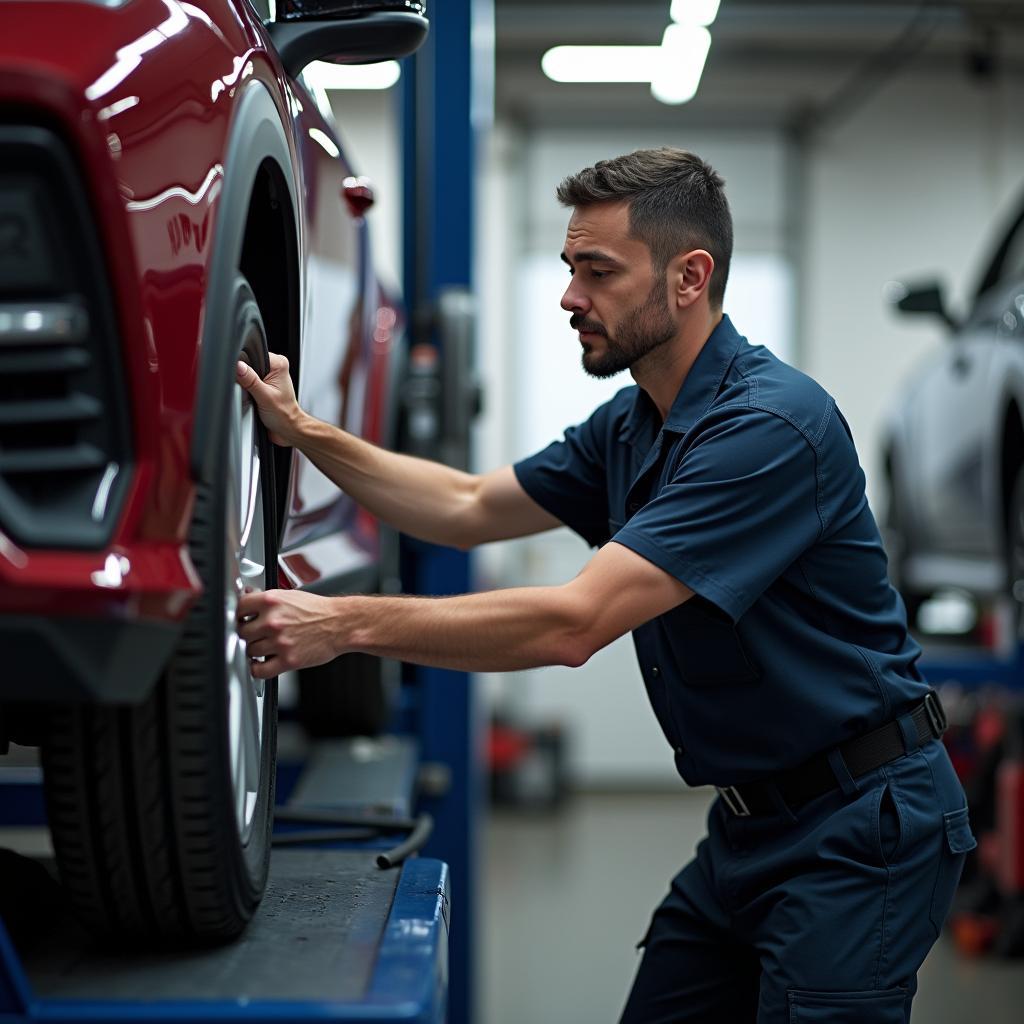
{"type": "Point", "coordinates": [147, 106]}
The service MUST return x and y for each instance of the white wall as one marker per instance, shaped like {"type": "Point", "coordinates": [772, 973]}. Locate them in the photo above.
{"type": "Point", "coordinates": [911, 186]}
{"type": "Point", "coordinates": [914, 184]}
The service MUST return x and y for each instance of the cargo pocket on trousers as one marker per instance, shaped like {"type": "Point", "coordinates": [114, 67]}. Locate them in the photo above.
{"type": "Point", "coordinates": [958, 841]}
{"type": "Point", "coordinates": [885, 1006]}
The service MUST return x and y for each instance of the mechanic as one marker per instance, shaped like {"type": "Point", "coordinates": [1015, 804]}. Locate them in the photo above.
{"type": "Point", "coordinates": [725, 498]}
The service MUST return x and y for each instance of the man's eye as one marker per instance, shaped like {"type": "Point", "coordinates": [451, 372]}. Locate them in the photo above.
{"type": "Point", "coordinates": [599, 273]}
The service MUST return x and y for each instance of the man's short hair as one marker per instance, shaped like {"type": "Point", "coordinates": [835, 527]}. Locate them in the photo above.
{"type": "Point", "coordinates": [676, 203]}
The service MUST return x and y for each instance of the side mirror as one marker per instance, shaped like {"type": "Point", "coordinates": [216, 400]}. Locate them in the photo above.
{"type": "Point", "coordinates": [346, 31]}
{"type": "Point", "coordinates": [926, 297]}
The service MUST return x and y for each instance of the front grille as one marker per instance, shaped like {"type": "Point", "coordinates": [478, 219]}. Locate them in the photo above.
{"type": "Point", "coordinates": [64, 449]}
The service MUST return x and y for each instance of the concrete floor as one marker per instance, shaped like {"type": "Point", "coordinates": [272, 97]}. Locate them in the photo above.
{"type": "Point", "coordinates": [567, 896]}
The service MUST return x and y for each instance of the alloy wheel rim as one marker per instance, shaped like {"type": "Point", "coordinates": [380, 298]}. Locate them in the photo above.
{"type": "Point", "coordinates": [246, 568]}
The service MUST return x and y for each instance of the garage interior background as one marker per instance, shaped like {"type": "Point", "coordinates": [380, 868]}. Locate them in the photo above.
{"type": "Point", "coordinates": [861, 143]}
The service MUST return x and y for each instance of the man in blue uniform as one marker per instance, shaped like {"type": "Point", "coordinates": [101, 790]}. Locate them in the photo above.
{"type": "Point", "coordinates": [735, 541]}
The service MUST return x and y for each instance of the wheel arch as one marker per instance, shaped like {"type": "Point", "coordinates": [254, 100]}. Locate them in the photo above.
{"type": "Point", "coordinates": [270, 228]}
{"type": "Point", "coordinates": [259, 205]}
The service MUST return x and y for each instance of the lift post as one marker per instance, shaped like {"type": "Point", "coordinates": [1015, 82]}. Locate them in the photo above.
{"type": "Point", "coordinates": [445, 103]}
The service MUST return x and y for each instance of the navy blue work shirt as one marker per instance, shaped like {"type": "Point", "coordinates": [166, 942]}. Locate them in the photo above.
{"type": "Point", "coordinates": [752, 495]}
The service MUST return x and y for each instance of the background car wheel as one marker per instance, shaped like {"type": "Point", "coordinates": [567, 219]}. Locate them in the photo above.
{"type": "Point", "coordinates": [895, 533]}
{"type": "Point", "coordinates": [161, 814]}
{"type": "Point", "coordinates": [354, 695]}
{"type": "Point", "coordinates": [1015, 552]}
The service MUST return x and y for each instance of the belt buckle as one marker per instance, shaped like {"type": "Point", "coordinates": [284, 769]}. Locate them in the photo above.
{"type": "Point", "coordinates": [734, 801]}
{"type": "Point", "coordinates": [936, 713]}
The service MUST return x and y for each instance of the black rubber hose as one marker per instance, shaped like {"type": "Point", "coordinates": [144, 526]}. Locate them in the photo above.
{"type": "Point", "coordinates": [416, 841]}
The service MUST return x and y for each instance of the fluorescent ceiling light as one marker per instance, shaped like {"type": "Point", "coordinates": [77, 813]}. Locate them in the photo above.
{"type": "Point", "coordinates": [673, 69]}
{"type": "Point", "coordinates": [599, 63]}
{"type": "Point", "coordinates": [694, 12]}
{"type": "Point", "coordinates": [324, 75]}
{"type": "Point", "coordinates": [680, 63]}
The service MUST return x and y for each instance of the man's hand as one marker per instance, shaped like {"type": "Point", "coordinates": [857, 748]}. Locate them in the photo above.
{"type": "Point", "coordinates": [289, 629]}
{"type": "Point", "coordinates": [275, 399]}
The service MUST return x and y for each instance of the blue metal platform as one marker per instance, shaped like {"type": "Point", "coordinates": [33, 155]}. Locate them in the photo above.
{"type": "Point", "coordinates": [336, 938]}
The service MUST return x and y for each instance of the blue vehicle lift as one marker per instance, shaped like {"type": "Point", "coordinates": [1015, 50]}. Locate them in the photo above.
{"type": "Point", "coordinates": [446, 102]}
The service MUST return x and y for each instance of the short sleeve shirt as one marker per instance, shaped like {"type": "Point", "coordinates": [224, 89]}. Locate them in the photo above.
{"type": "Point", "coordinates": [752, 495]}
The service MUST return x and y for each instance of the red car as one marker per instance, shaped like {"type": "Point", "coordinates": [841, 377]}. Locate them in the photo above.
{"type": "Point", "coordinates": [173, 198]}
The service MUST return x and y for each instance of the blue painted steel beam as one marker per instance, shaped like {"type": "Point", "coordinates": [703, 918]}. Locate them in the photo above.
{"type": "Point", "coordinates": [21, 797]}
{"type": "Point", "coordinates": [15, 994]}
{"type": "Point", "coordinates": [975, 669]}
{"type": "Point", "coordinates": [440, 86]}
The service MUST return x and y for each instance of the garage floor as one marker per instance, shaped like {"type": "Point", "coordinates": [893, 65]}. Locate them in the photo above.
{"type": "Point", "coordinates": [567, 895]}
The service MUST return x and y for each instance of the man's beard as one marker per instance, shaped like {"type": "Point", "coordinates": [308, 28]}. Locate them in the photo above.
{"type": "Point", "coordinates": [643, 329]}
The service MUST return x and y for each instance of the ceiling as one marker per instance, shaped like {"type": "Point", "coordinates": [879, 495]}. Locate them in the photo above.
{"type": "Point", "coordinates": [771, 62]}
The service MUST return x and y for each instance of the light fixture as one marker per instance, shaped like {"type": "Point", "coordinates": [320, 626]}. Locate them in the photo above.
{"type": "Point", "coordinates": [325, 75]}
{"type": "Point", "coordinates": [673, 69]}
{"type": "Point", "coordinates": [681, 58]}
{"type": "Point", "coordinates": [599, 63]}
{"type": "Point", "coordinates": [694, 12]}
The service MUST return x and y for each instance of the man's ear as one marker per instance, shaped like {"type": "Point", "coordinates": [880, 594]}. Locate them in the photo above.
{"type": "Point", "coordinates": [689, 276]}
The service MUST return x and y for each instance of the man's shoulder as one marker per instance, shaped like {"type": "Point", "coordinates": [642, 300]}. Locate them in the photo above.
{"type": "Point", "coordinates": [760, 382]}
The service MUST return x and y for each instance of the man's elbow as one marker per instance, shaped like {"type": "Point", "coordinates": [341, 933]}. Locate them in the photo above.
{"type": "Point", "coordinates": [465, 521]}
{"type": "Point", "coordinates": [574, 657]}
{"type": "Point", "coordinates": [577, 647]}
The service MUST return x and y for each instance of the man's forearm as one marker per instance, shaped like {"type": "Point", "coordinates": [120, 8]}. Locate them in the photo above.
{"type": "Point", "coordinates": [496, 631]}
{"type": "Point", "coordinates": [425, 499]}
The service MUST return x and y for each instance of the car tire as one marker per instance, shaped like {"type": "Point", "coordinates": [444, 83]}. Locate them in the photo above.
{"type": "Point", "coordinates": [897, 547]}
{"type": "Point", "coordinates": [161, 814]}
{"type": "Point", "coordinates": [1015, 553]}
{"type": "Point", "coordinates": [350, 696]}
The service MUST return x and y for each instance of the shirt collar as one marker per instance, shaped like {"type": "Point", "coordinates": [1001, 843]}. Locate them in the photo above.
{"type": "Point", "coordinates": [700, 386]}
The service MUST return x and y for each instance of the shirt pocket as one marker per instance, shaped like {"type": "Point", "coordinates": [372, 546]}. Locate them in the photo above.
{"type": "Point", "coordinates": [707, 646]}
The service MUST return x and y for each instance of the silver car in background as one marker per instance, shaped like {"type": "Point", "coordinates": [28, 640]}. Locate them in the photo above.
{"type": "Point", "coordinates": [953, 450]}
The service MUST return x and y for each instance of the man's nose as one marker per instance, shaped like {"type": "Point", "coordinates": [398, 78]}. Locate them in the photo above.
{"type": "Point", "coordinates": [573, 300]}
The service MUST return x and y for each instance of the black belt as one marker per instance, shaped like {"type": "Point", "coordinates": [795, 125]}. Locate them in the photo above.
{"type": "Point", "coordinates": [816, 777]}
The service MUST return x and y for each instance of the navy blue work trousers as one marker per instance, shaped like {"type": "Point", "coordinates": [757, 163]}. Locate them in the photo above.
{"type": "Point", "coordinates": [823, 916]}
